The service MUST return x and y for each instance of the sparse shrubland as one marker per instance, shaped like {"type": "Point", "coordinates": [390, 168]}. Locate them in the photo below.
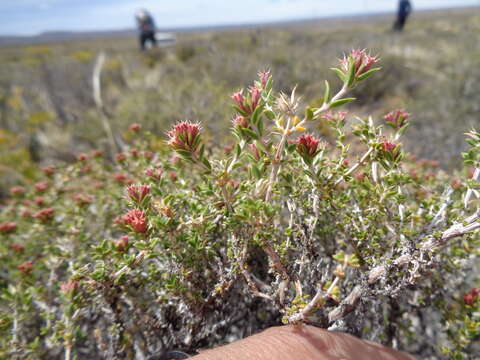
{"type": "Point", "coordinates": [178, 244]}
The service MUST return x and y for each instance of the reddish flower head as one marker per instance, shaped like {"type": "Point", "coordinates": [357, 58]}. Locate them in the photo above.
{"type": "Point", "coordinates": [360, 60]}
{"type": "Point", "coordinates": [135, 127]}
{"type": "Point", "coordinates": [82, 199]}
{"type": "Point", "coordinates": [241, 122]}
{"type": "Point", "coordinates": [334, 117]}
{"type": "Point", "coordinates": [137, 220]}
{"type": "Point", "coordinates": [68, 287]}
{"type": "Point", "coordinates": [307, 146]}
{"type": "Point", "coordinates": [17, 190]}
{"type": "Point", "coordinates": [18, 248]}
{"type": "Point", "coordinates": [39, 201]}
{"type": "Point", "coordinates": [154, 173]}
{"type": "Point", "coordinates": [97, 153]}
{"type": "Point", "coordinates": [8, 227]}
{"type": "Point", "coordinates": [120, 157]}
{"type": "Point", "coordinates": [397, 118]}
{"type": "Point", "coordinates": [388, 146]}
{"type": "Point", "coordinates": [82, 157]}
{"type": "Point", "coordinates": [468, 299]}
{"type": "Point", "coordinates": [471, 297]}
{"type": "Point", "coordinates": [49, 170]}
{"type": "Point", "coordinates": [41, 186]}
{"type": "Point", "coordinates": [264, 77]}
{"type": "Point", "coordinates": [184, 136]}
{"type": "Point", "coordinates": [121, 178]}
{"type": "Point", "coordinates": [44, 215]}
{"type": "Point", "coordinates": [122, 244]}
{"type": "Point", "coordinates": [148, 155]}
{"type": "Point", "coordinates": [255, 96]}
{"type": "Point", "coordinates": [138, 193]}
{"type": "Point", "coordinates": [239, 100]}
{"type": "Point", "coordinates": [26, 268]}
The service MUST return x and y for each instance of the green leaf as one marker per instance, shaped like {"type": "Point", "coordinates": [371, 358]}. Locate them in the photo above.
{"type": "Point", "coordinates": [339, 73]}
{"type": "Point", "coordinates": [351, 75]}
{"type": "Point", "coordinates": [206, 163]}
{"type": "Point", "coordinates": [260, 146]}
{"type": "Point", "coordinates": [327, 94]}
{"type": "Point", "coordinates": [256, 172]}
{"type": "Point", "coordinates": [248, 133]}
{"type": "Point", "coordinates": [341, 102]}
{"type": "Point", "coordinates": [309, 113]}
{"type": "Point", "coordinates": [368, 73]}
{"type": "Point", "coordinates": [269, 114]}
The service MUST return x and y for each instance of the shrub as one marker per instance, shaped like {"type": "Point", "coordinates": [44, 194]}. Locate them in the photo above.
{"type": "Point", "coordinates": [156, 252]}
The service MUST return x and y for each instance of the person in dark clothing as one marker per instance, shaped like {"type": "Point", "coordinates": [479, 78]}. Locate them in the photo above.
{"type": "Point", "coordinates": [146, 27]}
{"type": "Point", "coordinates": [404, 10]}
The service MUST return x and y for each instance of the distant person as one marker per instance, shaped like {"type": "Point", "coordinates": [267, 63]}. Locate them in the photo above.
{"type": "Point", "coordinates": [404, 10]}
{"type": "Point", "coordinates": [146, 27]}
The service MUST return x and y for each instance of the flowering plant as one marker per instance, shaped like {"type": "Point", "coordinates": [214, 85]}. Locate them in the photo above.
{"type": "Point", "coordinates": [151, 252]}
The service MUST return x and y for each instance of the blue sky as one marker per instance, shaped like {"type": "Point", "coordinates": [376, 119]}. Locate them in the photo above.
{"type": "Point", "coordinates": [26, 17]}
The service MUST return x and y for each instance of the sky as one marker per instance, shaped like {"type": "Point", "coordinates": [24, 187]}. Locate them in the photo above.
{"type": "Point", "coordinates": [28, 17]}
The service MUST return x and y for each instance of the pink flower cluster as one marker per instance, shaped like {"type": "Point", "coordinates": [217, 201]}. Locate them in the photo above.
{"type": "Point", "coordinates": [184, 136]}
{"type": "Point", "coordinates": [137, 220]}
{"type": "Point", "coordinates": [8, 227]}
{"type": "Point", "coordinates": [388, 146]}
{"type": "Point", "coordinates": [471, 297]}
{"type": "Point", "coordinates": [68, 287]}
{"type": "Point", "coordinates": [307, 146]}
{"type": "Point", "coordinates": [138, 193]}
{"type": "Point", "coordinates": [248, 106]}
{"type": "Point", "coordinates": [397, 118]}
{"type": "Point", "coordinates": [135, 127]}
{"type": "Point", "coordinates": [154, 173]}
{"type": "Point", "coordinates": [360, 60]}
{"type": "Point", "coordinates": [44, 215]}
